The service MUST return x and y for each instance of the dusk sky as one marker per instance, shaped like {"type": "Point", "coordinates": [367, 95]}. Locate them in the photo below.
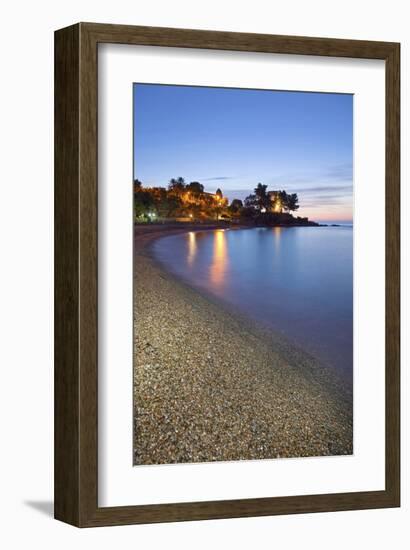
{"type": "Point", "coordinates": [233, 139]}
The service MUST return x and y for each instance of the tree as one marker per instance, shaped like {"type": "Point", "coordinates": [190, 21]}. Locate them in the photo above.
{"type": "Point", "coordinates": [137, 185]}
{"type": "Point", "coordinates": [291, 202]}
{"type": "Point", "coordinates": [263, 200]}
{"type": "Point", "coordinates": [177, 185]}
{"type": "Point", "coordinates": [251, 201]}
{"type": "Point", "coordinates": [236, 206]}
{"type": "Point", "coordinates": [169, 206]}
{"type": "Point", "coordinates": [248, 212]}
{"type": "Point", "coordinates": [195, 187]}
{"type": "Point", "coordinates": [144, 204]}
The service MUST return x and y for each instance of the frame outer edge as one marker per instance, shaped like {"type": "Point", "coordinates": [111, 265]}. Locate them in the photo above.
{"type": "Point", "coordinates": [76, 290]}
{"type": "Point", "coordinates": [237, 41]}
{"type": "Point", "coordinates": [66, 314]}
{"type": "Point", "coordinates": [393, 275]}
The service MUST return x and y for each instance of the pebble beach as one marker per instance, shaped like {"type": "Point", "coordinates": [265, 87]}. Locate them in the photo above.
{"type": "Point", "coordinates": [210, 385]}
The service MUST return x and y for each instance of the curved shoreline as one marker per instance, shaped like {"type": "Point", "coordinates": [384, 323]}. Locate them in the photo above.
{"type": "Point", "coordinates": [211, 385]}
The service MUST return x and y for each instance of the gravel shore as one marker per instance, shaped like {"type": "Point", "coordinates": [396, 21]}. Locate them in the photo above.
{"type": "Point", "coordinates": [210, 386]}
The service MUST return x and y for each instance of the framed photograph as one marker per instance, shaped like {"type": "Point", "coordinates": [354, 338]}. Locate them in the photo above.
{"type": "Point", "coordinates": [227, 260]}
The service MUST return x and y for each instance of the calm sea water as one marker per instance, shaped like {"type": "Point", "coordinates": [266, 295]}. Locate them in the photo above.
{"type": "Point", "coordinates": [298, 280]}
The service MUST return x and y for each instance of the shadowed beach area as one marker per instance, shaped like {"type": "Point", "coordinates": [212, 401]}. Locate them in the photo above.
{"type": "Point", "coordinates": [211, 385]}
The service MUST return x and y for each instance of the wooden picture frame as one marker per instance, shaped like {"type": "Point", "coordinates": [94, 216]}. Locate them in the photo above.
{"type": "Point", "coordinates": [76, 301]}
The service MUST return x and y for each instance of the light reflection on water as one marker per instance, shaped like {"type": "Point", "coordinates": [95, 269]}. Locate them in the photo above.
{"type": "Point", "coordinates": [191, 247]}
{"type": "Point", "coordinates": [219, 264]}
{"type": "Point", "coordinates": [299, 280]}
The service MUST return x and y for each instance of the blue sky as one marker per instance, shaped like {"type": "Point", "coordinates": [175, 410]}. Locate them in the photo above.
{"type": "Point", "coordinates": [232, 139]}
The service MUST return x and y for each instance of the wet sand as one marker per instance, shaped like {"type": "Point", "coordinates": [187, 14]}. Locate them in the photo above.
{"type": "Point", "coordinates": [210, 385]}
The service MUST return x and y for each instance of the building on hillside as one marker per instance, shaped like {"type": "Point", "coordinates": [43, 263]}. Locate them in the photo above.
{"type": "Point", "coordinates": [276, 201]}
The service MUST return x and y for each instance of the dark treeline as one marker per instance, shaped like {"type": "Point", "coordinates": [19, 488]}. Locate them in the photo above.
{"type": "Point", "coordinates": [183, 201]}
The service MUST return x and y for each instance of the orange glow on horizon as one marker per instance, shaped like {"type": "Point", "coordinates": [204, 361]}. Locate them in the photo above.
{"type": "Point", "coordinates": [326, 213]}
